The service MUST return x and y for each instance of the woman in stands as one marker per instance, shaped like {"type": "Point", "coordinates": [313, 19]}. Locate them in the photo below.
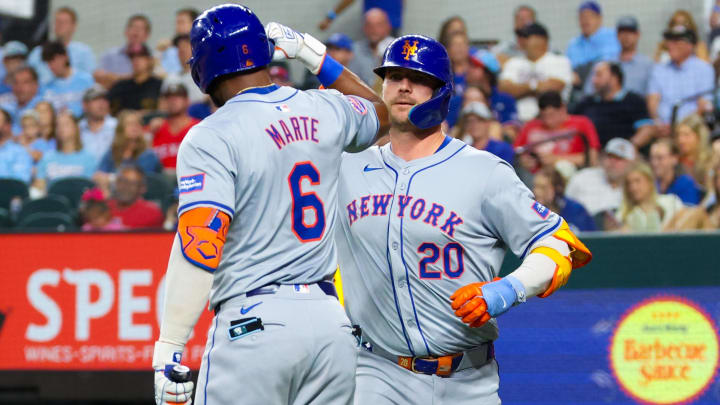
{"type": "Point", "coordinates": [67, 160]}
{"type": "Point", "coordinates": [642, 208]}
{"type": "Point", "coordinates": [47, 121]}
{"type": "Point", "coordinates": [692, 137]}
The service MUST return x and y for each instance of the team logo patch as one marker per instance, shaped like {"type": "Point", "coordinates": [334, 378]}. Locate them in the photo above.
{"type": "Point", "coordinates": [302, 288]}
{"type": "Point", "coordinates": [282, 108]}
{"type": "Point", "coordinates": [409, 50]}
{"type": "Point", "coordinates": [189, 184]}
{"type": "Point", "coordinates": [357, 105]}
{"type": "Point", "coordinates": [177, 357]}
{"type": "Point", "coordinates": [541, 210]}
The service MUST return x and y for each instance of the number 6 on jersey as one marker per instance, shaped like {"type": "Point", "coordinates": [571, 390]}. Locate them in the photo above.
{"type": "Point", "coordinates": [306, 201]}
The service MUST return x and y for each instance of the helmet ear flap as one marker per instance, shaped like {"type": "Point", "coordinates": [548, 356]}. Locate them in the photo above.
{"type": "Point", "coordinates": [432, 112]}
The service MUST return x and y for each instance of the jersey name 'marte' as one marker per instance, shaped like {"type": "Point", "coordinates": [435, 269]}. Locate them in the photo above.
{"type": "Point", "coordinates": [293, 129]}
{"type": "Point", "coordinates": [407, 206]}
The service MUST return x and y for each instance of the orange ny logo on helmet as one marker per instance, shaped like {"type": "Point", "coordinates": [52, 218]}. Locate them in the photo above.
{"type": "Point", "coordinates": [409, 50]}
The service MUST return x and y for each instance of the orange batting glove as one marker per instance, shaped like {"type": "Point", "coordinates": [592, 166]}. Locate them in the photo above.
{"type": "Point", "coordinates": [469, 304]}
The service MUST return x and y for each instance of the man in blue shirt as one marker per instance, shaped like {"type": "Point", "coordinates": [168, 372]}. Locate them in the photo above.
{"type": "Point", "coordinates": [393, 9]}
{"type": "Point", "coordinates": [25, 94]}
{"type": "Point", "coordinates": [14, 55]}
{"type": "Point", "coordinates": [115, 63]}
{"type": "Point", "coordinates": [474, 129]}
{"type": "Point", "coordinates": [15, 161]}
{"type": "Point", "coordinates": [68, 85]}
{"type": "Point", "coordinates": [97, 128]}
{"type": "Point", "coordinates": [664, 161]}
{"type": "Point", "coordinates": [595, 43]}
{"type": "Point", "coordinates": [80, 54]}
{"type": "Point", "coordinates": [686, 80]}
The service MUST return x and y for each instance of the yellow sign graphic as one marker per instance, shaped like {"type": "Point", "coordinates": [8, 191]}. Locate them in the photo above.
{"type": "Point", "coordinates": [665, 351]}
{"type": "Point", "coordinates": [409, 50]}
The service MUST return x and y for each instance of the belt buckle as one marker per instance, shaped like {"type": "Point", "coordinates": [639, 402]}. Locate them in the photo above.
{"type": "Point", "coordinates": [429, 358]}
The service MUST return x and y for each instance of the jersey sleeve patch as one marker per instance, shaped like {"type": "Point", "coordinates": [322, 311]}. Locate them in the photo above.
{"type": "Point", "coordinates": [541, 210]}
{"type": "Point", "coordinates": [202, 233]}
{"type": "Point", "coordinates": [192, 183]}
{"type": "Point", "coordinates": [357, 105]}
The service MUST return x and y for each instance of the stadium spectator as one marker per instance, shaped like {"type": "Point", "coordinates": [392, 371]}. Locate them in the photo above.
{"type": "Point", "coordinates": [692, 137]}
{"type": "Point", "coordinates": [523, 15]}
{"type": "Point", "coordinates": [595, 42]}
{"type": "Point", "coordinates": [184, 52]}
{"type": "Point", "coordinates": [14, 55]}
{"type": "Point", "coordinates": [642, 208]}
{"type": "Point", "coordinates": [173, 129]}
{"type": "Point", "coordinates": [613, 110]}
{"type": "Point", "coordinates": [170, 60]}
{"type": "Point", "coordinates": [15, 161]}
{"type": "Point", "coordinates": [369, 50]}
{"type": "Point", "coordinates": [712, 201]}
{"type": "Point", "coordinates": [66, 87]}
{"type": "Point", "coordinates": [696, 76]}
{"type": "Point", "coordinates": [557, 136]}
{"type": "Point", "coordinates": [475, 127]}
{"type": "Point", "coordinates": [115, 63]}
{"type": "Point", "coordinates": [68, 160]}
{"type": "Point", "coordinates": [80, 55]}
{"type": "Point", "coordinates": [459, 52]}
{"type": "Point", "coordinates": [681, 18]}
{"type": "Point", "coordinates": [549, 190]}
{"type": "Point", "coordinates": [128, 147]}
{"type": "Point", "coordinates": [47, 121]}
{"type": "Point", "coordinates": [25, 90]}
{"type": "Point", "coordinates": [30, 136]}
{"type": "Point", "coordinates": [339, 47]}
{"type": "Point", "coordinates": [141, 91]}
{"type": "Point", "coordinates": [664, 159]}
{"type": "Point", "coordinates": [524, 77]}
{"type": "Point", "coordinates": [95, 213]}
{"type": "Point", "coordinates": [127, 203]}
{"type": "Point", "coordinates": [393, 9]}
{"type": "Point", "coordinates": [636, 66]}
{"type": "Point", "coordinates": [599, 189]}
{"type": "Point", "coordinates": [97, 128]}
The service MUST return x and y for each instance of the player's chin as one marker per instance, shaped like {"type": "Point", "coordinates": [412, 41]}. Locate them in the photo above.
{"type": "Point", "coordinates": [400, 112]}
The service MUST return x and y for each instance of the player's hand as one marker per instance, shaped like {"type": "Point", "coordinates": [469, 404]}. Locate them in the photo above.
{"type": "Point", "coordinates": [170, 388]}
{"type": "Point", "coordinates": [290, 44]}
{"type": "Point", "coordinates": [470, 306]}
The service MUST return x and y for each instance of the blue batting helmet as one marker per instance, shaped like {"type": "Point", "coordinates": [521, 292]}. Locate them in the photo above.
{"type": "Point", "coordinates": [227, 39]}
{"type": "Point", "coordinates": [428, 56]}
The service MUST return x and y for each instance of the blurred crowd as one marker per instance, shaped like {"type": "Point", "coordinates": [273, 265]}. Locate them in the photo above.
{"type": "Point", "coordinates": [606, 136]}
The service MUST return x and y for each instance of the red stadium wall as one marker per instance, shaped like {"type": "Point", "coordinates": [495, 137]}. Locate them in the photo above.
{"type": "Point", "coordinates": [85, 301]}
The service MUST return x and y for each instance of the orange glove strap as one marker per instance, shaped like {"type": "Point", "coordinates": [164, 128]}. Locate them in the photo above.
{"type": "Point", "coordinates": [580, 255]}
{"type": "Point", "coordinates": [202, 232]}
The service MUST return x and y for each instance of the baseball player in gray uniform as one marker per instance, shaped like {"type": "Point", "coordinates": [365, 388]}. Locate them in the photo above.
{"type": "Point", "coordinates": [425, 221]}
{"type": "Point", "coordinates": [258, 196]}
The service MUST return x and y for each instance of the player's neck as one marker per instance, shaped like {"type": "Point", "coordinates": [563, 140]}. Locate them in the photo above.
{"type": "Point", "coordinates": [231, 86]}
{"type": "Point", "coordinates": [411, 145]}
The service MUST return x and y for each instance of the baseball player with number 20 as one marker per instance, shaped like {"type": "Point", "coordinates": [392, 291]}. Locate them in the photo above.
{"type": "Point", "coordinates": [424, 224]}
{"type": "Point", "coordinates": [258, 196]}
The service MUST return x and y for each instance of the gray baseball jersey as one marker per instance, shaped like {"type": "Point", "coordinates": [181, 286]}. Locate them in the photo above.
{"type": "Point", "coordinates": [269, 158]}
{"type": "Point", "coordinates": [412, 233]}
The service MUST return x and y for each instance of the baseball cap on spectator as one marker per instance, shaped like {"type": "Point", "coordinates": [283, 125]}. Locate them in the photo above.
{"type": "Point", "coordinates": [14, 49]}
{"type": "Point", "coordinates": [680, 32]}
{"type": "Point", "coordinates": [627, 23]}
{"type": "Point", "coordinates": [590, 5]}
{"type": "Point", "coordinates": [95, 92]}
{"type": "Point", "coordinates": [173, 88]}
{"type": "Point", "coordinates": [479, 109]}
{"type": "Point", "coordinates": [141, 50]}
{"type": "Point", "coordinates": [534, 29]}
{"type": "Point", "coordinates": [340, 40]}
{"type": "Point", "coordinates": [483, 58]}
{"type": "Point", "coordinates": [620, 147]}
{"type": "Point", "coordinates": [279, 72]}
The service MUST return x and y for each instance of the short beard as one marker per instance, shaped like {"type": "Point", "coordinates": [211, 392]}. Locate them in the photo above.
{"type": "Point", "coordinates": [403, 126]}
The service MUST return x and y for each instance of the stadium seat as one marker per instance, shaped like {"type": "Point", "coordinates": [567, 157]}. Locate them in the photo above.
{"type": "Point", "coordinates": [158, 188]}
{"type": "Point", "coordinates": [9, 189]}
{"type": "Point", "coordinates": [51, 203]}
{"type": "Point", "coordinates": [71, 188]}
{"type": "Point", "coordinates": [48, 221]}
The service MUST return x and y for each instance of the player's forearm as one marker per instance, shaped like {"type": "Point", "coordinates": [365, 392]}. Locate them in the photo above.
{"type": "Point", "coordinates": [187, 288]}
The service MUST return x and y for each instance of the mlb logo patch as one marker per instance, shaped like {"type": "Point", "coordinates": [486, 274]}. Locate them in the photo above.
{"type": "Point", "coordinates": [302, 288]}
{"type": "Point", "coordinates": [357, 105]}
{"type": "Point", "coordinates": [177, 357]}
{"type": "Point", "coordinates": [541, 210]}
{"type": "Point", "coordinates": [189, 184]}
{"type": "Point", "coordinates": [282, 108]}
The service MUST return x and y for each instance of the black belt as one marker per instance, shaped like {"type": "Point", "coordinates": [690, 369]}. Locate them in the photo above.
{"type": "Point", "coordinates": [328, 287]}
